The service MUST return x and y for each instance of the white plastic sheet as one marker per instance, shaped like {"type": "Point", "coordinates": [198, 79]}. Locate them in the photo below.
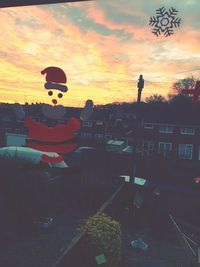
{"type": "Point", "coordinates": [29, 155]}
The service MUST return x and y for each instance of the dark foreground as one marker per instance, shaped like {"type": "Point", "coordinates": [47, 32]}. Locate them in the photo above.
{"type": "Point", "coordinates": [74, 198]}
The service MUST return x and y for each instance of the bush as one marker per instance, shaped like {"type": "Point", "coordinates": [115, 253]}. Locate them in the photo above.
{"type": "Point", "coordinates": [104, 233]}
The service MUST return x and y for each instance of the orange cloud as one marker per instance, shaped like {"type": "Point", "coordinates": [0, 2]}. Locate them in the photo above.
{"type": "Point", "coordinates": [104, 68]}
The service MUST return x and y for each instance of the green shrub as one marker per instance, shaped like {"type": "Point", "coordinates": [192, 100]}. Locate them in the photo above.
{"type": "Point", "coordinates": [105, 233]}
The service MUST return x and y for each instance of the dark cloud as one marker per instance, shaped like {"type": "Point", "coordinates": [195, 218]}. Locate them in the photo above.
{"type": "Point", "coordinates": [114, 14]}
{"type": "Point", "coordinates": [119, 11]}
{"type": "Point", "coordinates": [31, 22]}
{"type": "Point", "coordinates": [79, 17]}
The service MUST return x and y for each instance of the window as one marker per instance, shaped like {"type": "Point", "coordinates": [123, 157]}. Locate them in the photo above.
{"type": "Point", "coordinates": [99, 136]}
{"type": "Point", "coordinates": [151, 146]}
{"type": "Point", "coordinates": [87, 124]}
{"type": "Point", "coordinates": [185, 151]}
{"type": "Point", "coordinates": [108, 136]}
{"type": "Point", "coordinates": [86, 135]}
{"type": "Point", "coordinates": [125, 125]}
{"type": "Point", "coordinates": [166, 129]}
{"type": "Point", "coordinates": [148, 145]}
{"type": "Point", "coordinates": [164, 148]}
{"type": "Point", "coordinates": [188, 131]}
{"type": "Point", "coordinates": [99, 123]}
{"type": "Point", "coordinates": [148, 126]}
{"type": "Point", "coordinates": [101, 62]}
{"type": "Point", "coordinates": [147, 148]}
{"type": "Point", "coordinates": [8, 129]}
{"type": "Point", "coordinates": [118, 123]}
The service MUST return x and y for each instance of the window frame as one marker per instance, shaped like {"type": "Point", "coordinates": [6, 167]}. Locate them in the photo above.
{"type": "Point", "coordinates": [167, 127]}
{"type": "Point", "coordinates": [151, 126]}
{"type": "Point", "coordinates": [166, 143]}
{"type": "Point", "coordinates": [87, 124]}
{"type": "Point", "coordinates": [180, 156]}
{"type": "Point", "coordinates": [187, 133]}
{"type": "Point", "coordinates": [99, 136]}
{"type": "Point", "coordinates": [86, 135]}
{"type": "Point", "coordinates": [148, 145]}
{"type": "Point", "coordinates": [108, 136]}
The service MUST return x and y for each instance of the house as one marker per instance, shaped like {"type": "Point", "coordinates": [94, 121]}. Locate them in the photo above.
{"type": "Point", "coordinates": [171, 132]}
{"type": "Point", "coordinates": [171, 137]}
{"type": "Point", "coordinates": [98, 128]}
{"type": "Point", "coordinates": [105, 125]}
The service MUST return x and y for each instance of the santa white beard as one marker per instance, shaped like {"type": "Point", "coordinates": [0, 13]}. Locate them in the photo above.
{"type": "Point", "coordinates": [53, 112]}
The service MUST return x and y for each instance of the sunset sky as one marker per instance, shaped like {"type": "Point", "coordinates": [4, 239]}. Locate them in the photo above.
{"type": "Point", "coordinates": [103, 46]}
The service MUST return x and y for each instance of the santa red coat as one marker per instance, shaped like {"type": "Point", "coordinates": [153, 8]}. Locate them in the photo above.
{"type": "Point", "coordinates": [60, 138]}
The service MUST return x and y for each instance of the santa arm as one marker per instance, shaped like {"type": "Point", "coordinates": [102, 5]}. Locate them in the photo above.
{"type": "Point", "coordinates": [30, 122]}
{"type": "Point", "coordinates": [74, 124]}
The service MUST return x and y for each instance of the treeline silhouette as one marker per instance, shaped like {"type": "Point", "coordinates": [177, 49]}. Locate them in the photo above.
{"type": "Point", "coordinates": [179, 106]}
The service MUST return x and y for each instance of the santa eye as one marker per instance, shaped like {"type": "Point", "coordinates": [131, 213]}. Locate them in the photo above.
{"type": "Point", "coordinates": [60, 95]}
{"type": "Point", "coordinates": [50, 93]}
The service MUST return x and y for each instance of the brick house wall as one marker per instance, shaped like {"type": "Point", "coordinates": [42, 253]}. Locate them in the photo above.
{"type": "Point", "coordinates": [154, 136]}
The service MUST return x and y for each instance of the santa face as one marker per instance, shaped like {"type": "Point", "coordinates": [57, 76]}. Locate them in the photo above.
{"type": "Point", "coordinates": [53, 112]}
{"type": "Point", "coordinates": [55, 95]}
{"type": "Point", "coordinates": [55, 84]}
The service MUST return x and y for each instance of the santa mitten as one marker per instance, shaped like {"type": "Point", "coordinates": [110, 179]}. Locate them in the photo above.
{"type": "Point", "coordinates": [87, 111]}
{"type": "Point", "coordinates": [19, 112]}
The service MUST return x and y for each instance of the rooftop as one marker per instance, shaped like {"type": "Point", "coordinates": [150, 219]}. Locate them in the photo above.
{"type": "Point", "coordinates": [115, 142]}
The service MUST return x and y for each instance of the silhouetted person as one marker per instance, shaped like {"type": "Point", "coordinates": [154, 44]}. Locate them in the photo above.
{"type": "Point", "coordinates": [140, 87]}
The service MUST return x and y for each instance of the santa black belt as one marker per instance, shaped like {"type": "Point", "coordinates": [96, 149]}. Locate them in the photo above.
{"type": "Point", "coordinates": [70, 141]}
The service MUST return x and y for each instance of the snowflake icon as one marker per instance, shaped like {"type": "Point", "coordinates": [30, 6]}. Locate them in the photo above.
{"type": "Point", "coordinates": [165, 21]}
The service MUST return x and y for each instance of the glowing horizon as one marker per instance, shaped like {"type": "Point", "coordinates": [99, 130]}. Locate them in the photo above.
{"type": "Point", "coordinates": [102, 46]}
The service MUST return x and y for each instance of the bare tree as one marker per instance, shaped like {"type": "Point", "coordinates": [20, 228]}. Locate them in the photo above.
{"type": "Point", "coordinates": [155, 99]}
{"type": "Point", "coordinates": [184, 84]}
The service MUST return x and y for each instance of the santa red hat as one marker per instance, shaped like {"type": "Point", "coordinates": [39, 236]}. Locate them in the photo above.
{"type": "Point", "coordinates": [54, 79]}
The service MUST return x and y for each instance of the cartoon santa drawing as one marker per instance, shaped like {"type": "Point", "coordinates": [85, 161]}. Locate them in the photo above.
{"type": "Point", "coordinates": [61, 138]}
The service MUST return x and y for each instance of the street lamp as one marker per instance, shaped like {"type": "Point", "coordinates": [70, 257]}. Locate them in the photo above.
{"type": "Point", "coordinates": [140, 86]}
